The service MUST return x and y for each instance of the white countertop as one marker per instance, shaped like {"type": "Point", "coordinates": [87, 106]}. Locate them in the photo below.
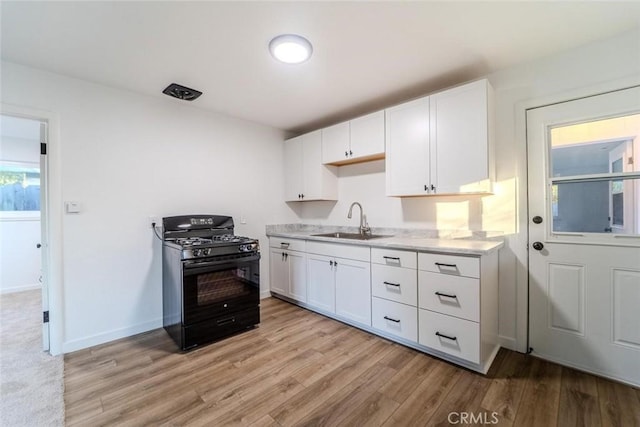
{"type": "Point", "coordinates": [458, 246]}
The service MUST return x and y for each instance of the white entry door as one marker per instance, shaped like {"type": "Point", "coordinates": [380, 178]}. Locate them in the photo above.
{"type": "Point", "coordinates": [584, 233]}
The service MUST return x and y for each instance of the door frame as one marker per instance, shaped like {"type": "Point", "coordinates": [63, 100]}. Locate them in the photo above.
{"type": "Point", "coordinates": [53, 248]}
{"type": "Point", "coordinates": [519, 241]}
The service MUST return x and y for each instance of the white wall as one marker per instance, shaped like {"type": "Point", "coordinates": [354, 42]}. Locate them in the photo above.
{"type": "Point", "coordinates": [552, 79]}
{"type": "Point", "coordinates": [124, 157]}
{"type": "Point", "coordinates": [19, 258]}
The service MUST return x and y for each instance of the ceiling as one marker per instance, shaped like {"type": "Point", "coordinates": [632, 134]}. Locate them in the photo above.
{"type": "Point", "coordinates": [367, 55]}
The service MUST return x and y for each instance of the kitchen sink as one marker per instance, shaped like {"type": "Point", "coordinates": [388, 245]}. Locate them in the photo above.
{"type": "Point", "coordinates": [352, 236]}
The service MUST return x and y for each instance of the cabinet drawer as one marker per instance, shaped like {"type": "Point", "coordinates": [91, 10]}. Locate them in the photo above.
{"type": "Point", "coordinates": [288, 244]}
{"type": "Point", "coordinates": [395, 284]}
{"type": "Point", "coordinates": [457, 337]}
{"type": "Point", "coordinates": [360, 253]}
{"type": "Point", "coordinates": [456, 296]}
{"type": "Point", "coordinates": [393, 257]}
{"type": "Point", "coordinates": [449, 264]}
{"type": "Point", "coordinates": [395, 318]}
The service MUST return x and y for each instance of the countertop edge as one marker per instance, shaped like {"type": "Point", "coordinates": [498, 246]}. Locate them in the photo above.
{"type": "Point", "coordinates": [457, 246]}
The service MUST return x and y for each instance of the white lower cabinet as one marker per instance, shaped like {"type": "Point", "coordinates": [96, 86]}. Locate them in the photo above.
{"type": "Point", "coordinates": [446, 294]}
{"type": "Point", "coordinates": [442, 304]}
{"type": "Point", "coordinates": [338, 284]}
{"type": "Point", "coordinates": [288, 270]}
{"type": "Point", "coordinates": [395, 284]}
{"type": "Point", "coordinates": [395, 318]}
{"type": "Point", "coordinates": [458, 310]}
{"type": "Point", "coordinates": [451, 335]}
{"type": "Point", "coordinates": [353, 290]}
{"type": "Point", "coordinates": [321, 290]}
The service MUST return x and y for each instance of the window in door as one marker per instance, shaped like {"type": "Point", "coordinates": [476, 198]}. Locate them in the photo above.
{"type": "Point", "coordinates": [594, 179]}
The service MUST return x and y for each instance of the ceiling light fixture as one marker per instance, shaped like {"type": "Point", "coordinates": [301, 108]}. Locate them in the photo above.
{"type": "Point", "coordinates": [290, 48]}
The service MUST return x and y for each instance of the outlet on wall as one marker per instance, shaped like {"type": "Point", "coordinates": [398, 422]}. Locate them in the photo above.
{"type": "Point", "coordinates": [154, 220]}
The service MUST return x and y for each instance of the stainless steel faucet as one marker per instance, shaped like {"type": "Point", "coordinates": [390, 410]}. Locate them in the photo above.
{"type": "Point", "coordinates": [364, 227]}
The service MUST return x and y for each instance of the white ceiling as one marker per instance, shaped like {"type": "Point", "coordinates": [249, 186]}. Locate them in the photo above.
{"type": "Point", "coordinates": [367, 55]}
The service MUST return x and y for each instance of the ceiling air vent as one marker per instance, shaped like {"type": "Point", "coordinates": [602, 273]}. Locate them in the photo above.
{"type": "Point", "coordinates": [181, 92]}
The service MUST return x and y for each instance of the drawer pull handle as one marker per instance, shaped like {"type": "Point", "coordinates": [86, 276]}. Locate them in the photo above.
{"type": "Point", "coordinates": [440, 294]}
{"type": "Point", "coordinates": [446, 336]}
{"type": "Point", "coordinates": [397, 285]}
{"type": "Point", "coordinates": [395, 258]}
{"type": "Point", "coordinates": [226, 321]}
{"type": "Point", "coordinates": [392, 319]}
{"type": "Point", "coordinates": [440, 264]}
{"type": "Point", "coordinates": [284, 245]}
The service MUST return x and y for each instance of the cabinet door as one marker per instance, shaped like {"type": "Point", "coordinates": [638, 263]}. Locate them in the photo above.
{"type": "Point", "coordinates": [293, 184]}
{"type": "Point", "coordinates": [335, 143]}
{"type": "Point", "coordinates": [279, 272]}
{"type": "Point", "coordinates": [320, 182]}
{"type": "Point", "coordinates": [407, 139]}
{"type": "Point", "coordinates": [353, 290]}
{"type": "Point", "coordinates": [297, 275]}
{"type": "Point", "coordinates": [367, 136]}
{"type": "Point", "coordinates": [459, 134]}
{"type": "Point", "coordinates": [321, 283]}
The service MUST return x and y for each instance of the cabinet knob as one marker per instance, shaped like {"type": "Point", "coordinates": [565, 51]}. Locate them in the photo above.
{"type": "Point", "coordinates": [350, 153]}
{"type": "Point", "coordinates": [433, 188]}
{"type": "Point", "coordinates": [426, 188]}
{"type": "Point", "coordinates": [346, 154]}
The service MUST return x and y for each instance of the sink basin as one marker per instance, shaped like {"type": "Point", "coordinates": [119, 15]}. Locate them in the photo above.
{"type": "Point", "coordinates": [352, 236]}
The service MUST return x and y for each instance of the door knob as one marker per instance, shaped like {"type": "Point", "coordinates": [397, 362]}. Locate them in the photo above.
{"type": "Point", "coordinates": [537, 219]}
{"type": "Point", "coordinates": [38, 246]}
{"type": "Point", "coordinates": [537, 246]}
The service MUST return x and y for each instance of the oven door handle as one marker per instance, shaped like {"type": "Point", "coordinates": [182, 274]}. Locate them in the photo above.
{"type": "Point", "coordinates": [195, 267]}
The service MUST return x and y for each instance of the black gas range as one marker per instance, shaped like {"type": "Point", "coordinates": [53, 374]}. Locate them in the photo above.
{"type": "Point", "coordinates": [210, 279]}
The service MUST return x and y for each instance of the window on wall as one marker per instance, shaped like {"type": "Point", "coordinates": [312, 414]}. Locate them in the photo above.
{"type": "Point", "coordinates": [19, 189]}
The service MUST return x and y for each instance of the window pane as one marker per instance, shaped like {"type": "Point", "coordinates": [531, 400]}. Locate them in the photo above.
{"type": "Point", "coordinates": [608, 206]}
{"type": "Point", "coordinates": [19, 188]}
{"type": "Point", "coordinates": [601, 146]}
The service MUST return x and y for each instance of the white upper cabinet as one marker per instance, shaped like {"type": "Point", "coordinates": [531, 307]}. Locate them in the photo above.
{"type": "Point", "coordinates": [306, 178]}
{"type": "Point", "coordinates": [460, 126]}
{"type": "Point", "coordinates": [354, 141]}
{"type": "Point", "coordinates": [441, 144]}
{"type": "Point", "coordinates": [407, 137]}
{"type": "Point", "coordinates": [336, 143]}
{"type": "Point", "coordinates": [367, 136]}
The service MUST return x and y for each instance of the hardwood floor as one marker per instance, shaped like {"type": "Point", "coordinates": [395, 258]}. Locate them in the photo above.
{"type": "Point", "coordinates": [300, 368]}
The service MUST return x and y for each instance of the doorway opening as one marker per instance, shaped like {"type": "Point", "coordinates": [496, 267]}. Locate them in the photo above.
{"type": "Point", "coordinates": [22, 218]}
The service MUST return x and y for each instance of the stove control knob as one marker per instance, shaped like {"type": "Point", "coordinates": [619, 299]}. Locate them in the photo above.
{"type": "Point", "coordinates": [196, 252]}
{"type": "Point", "coordinates": [206, 251]}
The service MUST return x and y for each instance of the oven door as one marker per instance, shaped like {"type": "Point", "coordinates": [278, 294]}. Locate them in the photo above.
{"type": "Point", "coordinates": [214, 288]}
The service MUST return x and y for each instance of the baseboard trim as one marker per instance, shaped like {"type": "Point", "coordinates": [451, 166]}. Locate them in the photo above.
{"type": "Point", "coordinates": [20, 289]}
{"type": "Point", "coordinates": [507, 342]}
{"type": "Point", "coordinates": [97, 339]}
{"type": "Point", "coordinates": [265, 294]}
